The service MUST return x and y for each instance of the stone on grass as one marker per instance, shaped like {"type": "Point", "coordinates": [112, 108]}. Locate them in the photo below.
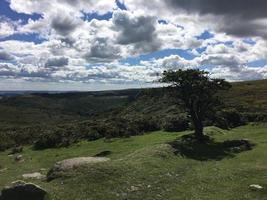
{"type": "Point", "coordinates": [255, 187]}
{"type": "Point", "coordinates": [19, 190]}
{"type": "Point", "coordinates": [133, 188]}
{"type": "Point", "coordinates": [3, 170]}
{"type": "Point", "coordinates": [35, 175]}
{"type": "Point", "coordinates": [19, 159]}
{"type": "Point", "coordinates": [68, 164]}
{"type": "Point", "coordinates": [42, 169]}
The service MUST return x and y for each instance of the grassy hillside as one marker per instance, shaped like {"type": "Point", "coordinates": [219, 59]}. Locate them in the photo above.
{"type": "Point", "coordinates": [250, 96]}
{"type": "Point", "coordinates": [91, 115]}
{"type": "Point", "coordinates": [46, 109]}
{"type": "Point", "coordinates": [56, 108]}
{"type": "Point", "coordinates": [146, 167]}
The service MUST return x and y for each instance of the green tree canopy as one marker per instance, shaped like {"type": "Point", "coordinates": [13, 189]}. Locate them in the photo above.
{"type": "Point", "coordinates": [197, 90]}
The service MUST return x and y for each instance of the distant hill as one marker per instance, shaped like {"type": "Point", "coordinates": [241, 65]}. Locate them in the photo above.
{"type": "Point", "coordinates": [34, 108]}
{"type": "Point", "coordinates": [59, 119]}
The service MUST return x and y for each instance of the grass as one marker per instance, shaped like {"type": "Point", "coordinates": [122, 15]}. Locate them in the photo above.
{"type": "Point", "coordinates": [146, 167]}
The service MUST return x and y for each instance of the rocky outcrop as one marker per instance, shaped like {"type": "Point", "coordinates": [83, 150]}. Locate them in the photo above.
{"type": "Point", "coordinates": [35, 175]}
{"type": "Point", "coordinates": [68, 164]}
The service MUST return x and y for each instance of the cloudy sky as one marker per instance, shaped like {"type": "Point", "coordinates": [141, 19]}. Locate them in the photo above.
{"type": "Point", "coordinates": [106, 44]}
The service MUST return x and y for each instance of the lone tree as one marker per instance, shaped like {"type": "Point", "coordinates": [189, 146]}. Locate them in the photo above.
{"type": "Point", "coordinates": [197, 91]}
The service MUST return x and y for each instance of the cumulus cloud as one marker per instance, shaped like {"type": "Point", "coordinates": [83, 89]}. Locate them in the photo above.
{"type": "Point", "coordinates": [78, 50]}
{"type": "Point", "coordinates": [136, 29]}
{"type": "Point", "coordinates": [7, 26]}
{"type": "Point", "coordinates": [133, 29]}
{"type": "Point", "coordinates": [64, 24]}
{"type": "Point", "coordinates": [5, 56]}
{"type": "Point", "coordinates": [46, 6]}
{"type": "Point", "coordinates": [58, 62]}
{"type": "Point", "coordinates": [237, 17]}
{"type": "Point", "coordinates": [102, 51]}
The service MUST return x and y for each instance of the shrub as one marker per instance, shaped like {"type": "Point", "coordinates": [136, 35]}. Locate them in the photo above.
{"type": "Point", "coordinates": [52, 139]}
{"type": "Point", "coordinates": [255, 117]}
{"type": "Point", "coordinates": [178, 123]}
{"type": "Point", "coordinates": [145, 124]}
{"type": "Point", "coordinates": [228, 118]}
{"type": "Point", "coordinates": [93, 135]}
{"type": "Point", "coordinates": [6, 141]}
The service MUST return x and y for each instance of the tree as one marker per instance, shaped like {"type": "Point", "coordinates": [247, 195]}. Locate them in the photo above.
{"type": "Point", "coordinates": [197, 91]}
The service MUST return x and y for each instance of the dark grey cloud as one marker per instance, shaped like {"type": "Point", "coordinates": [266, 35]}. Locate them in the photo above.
{"type": "Point", "coordinates": [239, 17]}
{"type": "Point", "coordinates": [6, 70]}
{"type": "Point", "coordinates": [139, 31]}
{"type": "Point", "coordinates": [246, 8]}
{"type": "Point", "coordinates": [102, 51]}
{"type": "Point", "coordinates": [5, 56]}
{"type": "Point", "coordinates": [135, 29]}
{"type": "Point", "coordinates": [228, 60]}
{"type": "Point", "coordinates": [64, 25]}
{"type": "Point", "coordinates": [57, 62]}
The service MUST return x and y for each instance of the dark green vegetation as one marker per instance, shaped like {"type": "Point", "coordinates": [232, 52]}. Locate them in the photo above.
{"type": "Point", "coordinates": [147, 167]}
{"type": "Point", "coordinates": [197, 92]}
{"type": "Point", "coordinates": [57, 120]}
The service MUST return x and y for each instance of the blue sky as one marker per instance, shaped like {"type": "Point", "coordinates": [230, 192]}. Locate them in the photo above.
{"type": "Point", "coordinates": [120, 44]}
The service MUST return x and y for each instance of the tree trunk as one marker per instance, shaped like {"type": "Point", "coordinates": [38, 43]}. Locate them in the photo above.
{"type": "Point", "coordinates": [198, 126]}
{"type": "Point", "coordinates": [199, 130]}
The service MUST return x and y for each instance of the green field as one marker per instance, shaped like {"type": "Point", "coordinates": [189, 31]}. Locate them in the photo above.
{"type": "Point", "coordinates": [146, 167]}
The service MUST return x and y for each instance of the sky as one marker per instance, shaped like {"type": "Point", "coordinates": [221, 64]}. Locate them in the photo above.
{"type": "Point", "coordinates": [106, 44]}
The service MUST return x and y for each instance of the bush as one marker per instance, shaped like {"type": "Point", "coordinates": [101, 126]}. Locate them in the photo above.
{"type": "Point", "coordinates": [6, 141]}
{"type": "Point", "coordinates": [228, 118]}
{"type": "Point", "coordinates": [93, 135]}
{"type": "Point", "coordinates": [53, 139]}
{"type": "Point", "coordinates": [255, 117]}
{"type": "Point", "coordinates": [178, 123]}
{"type": "Point", "coordinates": [144, 124]}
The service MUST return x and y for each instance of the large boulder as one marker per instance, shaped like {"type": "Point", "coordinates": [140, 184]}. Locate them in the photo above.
{"type": "Point", "coordinates": [19, 190]}
{"type": "Point", "coordinates": [62, 166]}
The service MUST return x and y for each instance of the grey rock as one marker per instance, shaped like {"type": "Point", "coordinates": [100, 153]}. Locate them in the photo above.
{"type": "Point", "coordinates": [35, 175]}
{"type": "Point", "coordinates": [255, 187]}
{"type": "Point", "coordinates": [19, 158]}
{"type": "Point", "coordinates": [68, 164]}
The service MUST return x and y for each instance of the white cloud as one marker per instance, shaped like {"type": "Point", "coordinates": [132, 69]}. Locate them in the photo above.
{"type": "Point", "coordinates": [75, 50]}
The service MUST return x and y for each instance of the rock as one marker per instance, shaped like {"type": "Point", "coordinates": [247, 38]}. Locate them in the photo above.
{"type": "Point", "coordinates": [20, 190]}
{"type": "Point", "coordinates": [68, 164]}
{"type": "Point", "coordinates": [42, 170]}
{"type": "Point", "coordinates": [133, 188]}
{"type": "Point", "coordinates": [3, 170]}
{"type": "Point", "coordinates": [35, 175]}
{"type": "Point", "coordinates": [19, 158]}
{"type": "Point", "coordinates": [255, 187]}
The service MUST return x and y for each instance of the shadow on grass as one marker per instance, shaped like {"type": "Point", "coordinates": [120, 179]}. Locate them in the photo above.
{"type": "Point", "coordinates": [188, 146]}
